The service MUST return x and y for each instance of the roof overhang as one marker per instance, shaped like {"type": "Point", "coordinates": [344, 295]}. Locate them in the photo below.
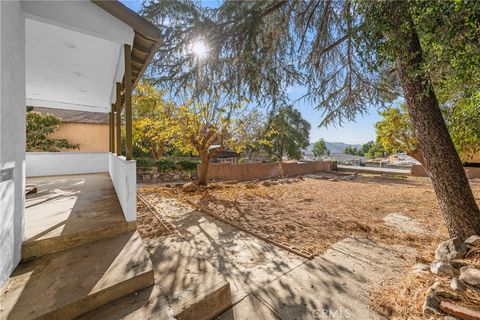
{"type": "Point", "coordinates": [75, 52]}
{"type": "Point", "coordinates": [147, 38]}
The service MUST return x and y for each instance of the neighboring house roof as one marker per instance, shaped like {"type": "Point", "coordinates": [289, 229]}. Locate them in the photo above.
{"type": "Point", "coordinates": [76, 116]}
{"type": "Point", "coordinates": [225, 153]}
{"type": "Point", "coordinates": [228, 154]}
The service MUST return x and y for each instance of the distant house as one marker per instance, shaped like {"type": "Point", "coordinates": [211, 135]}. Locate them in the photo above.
{"type": "Point", "coordinates": [226, 156]}
{"type": "Point", "coordinates": [396, 161]}
{"type": "Point", "coordinates": [347, 159]}
{"type": "Point", "coordinates": [86, 128]}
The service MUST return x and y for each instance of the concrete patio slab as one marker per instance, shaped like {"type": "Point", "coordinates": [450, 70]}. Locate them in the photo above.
{"type": "Point", "coordinates": [186, 287]}
{"type": "Point", "coordinates": [268, 282]}
{"type": "Point", "coordinates": [336, 284]}
{"type": "Point", "coordinates": [71, 210]}
{"type": "Point", "coordinates": [246, 261]}
{"type": "Point", "coordinates": [147, 303]}
{"type": "Point", "coordinates": [193, 288]}
{"type": "Point", "coordinates": [247, 309]}
{"type": "Point", "coordinates": [69, 283]}
{"type": "Point", "coordinates": [404, 223]}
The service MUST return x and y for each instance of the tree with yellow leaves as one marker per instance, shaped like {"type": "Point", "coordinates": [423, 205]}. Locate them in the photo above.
{"type": "Point", "coordinates": [152, 125]}
{"type": "Point", "coordinates": [206, 129]}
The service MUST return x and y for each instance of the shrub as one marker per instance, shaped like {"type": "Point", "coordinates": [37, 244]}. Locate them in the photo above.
{"type": "Point", "coordinates": [187, 165]}
{"type": "Point", "coordinates": [164, 165]}
{"type": "Point", "coordinates": [145, 162]}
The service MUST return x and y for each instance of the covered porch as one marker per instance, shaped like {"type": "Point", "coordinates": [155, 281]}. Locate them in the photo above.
{"type": "Point", "coordinates": [88, 56]}
{"type": "Point", "coordinates": [76, 236]}
{"type": "Point", "coordinates": [71, 210]}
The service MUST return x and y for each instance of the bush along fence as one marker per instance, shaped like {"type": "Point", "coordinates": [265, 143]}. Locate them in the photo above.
{"type": "Point", "coordinates": [166, 170]}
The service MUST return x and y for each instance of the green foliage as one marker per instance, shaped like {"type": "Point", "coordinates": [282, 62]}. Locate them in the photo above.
{"type": "Point", "coordinates": [369, 150]}
{"type": "Point", "coordinates": [375, 150]}
{"type": "Point", "coordinates": [320, 149]}
{"type": "Point", "coordinates": [143, 162]}
{"type": "Point", "coordinates": [152, 127]}
{"type": "Point", "coordinates": [395, 131]}
{"type": "Point", "coordinates": [250, 126]}
{"type": "Point", "coordinates": [260, 48]}
{"type": "Point", "coordinates": [353, 151]}
{"type": "Point", "coordinates": [463, 121]}
{"type": "Point", "coordinates": [286, 133]}
{"type": "Point", "coordinates": [187, 165]}
{"type": "Point", "coordinates": [365, 147]}
{"type": "Point", "coordinates": [164, 165]}
{"type": "Point", "coordinates": [39, 127]}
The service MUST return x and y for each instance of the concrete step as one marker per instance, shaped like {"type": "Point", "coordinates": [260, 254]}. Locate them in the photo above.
{"type": "Point", "coordinates": [186, 287]}
{"type": "Point", "coordinates": [72, 282]}
{"type": "Point", "coordinates": [38, 247]}
{"type": "Point", "coordinates": [69, 211]}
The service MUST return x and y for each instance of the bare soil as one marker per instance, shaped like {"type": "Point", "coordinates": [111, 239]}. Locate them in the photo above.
{"type": "Point", "coordinates": [312, 214]}
{"type": "Point", "coordinates": [149, 224]}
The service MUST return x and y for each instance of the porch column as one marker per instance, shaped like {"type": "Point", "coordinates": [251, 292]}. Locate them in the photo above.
{"type": "Point", "coordinates": [111, 131]}
{"type": "Point", "coordinates": [118, 110]}
{"type": "Point", "coordinates": [128, 100]}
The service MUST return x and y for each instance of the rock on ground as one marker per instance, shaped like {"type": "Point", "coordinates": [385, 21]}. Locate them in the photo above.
{"type": "Point", "coordinates": [431, 306]}
{"type": "Point", "coordinates": [421, 267]}
{"type": "Point", "coordinates": [457, 285]}
{"type": "Point", "coordinates": [189, 187]}
{"type": "Point", "coordinates": [473, 241]}
{"type": "Point", "coordinates": [404, 223]}
{"type": "Point", "coordinates": [442, 269]}
{"type": "Point", "coordinates": [451, 249]}
{"type": "Point", "coordinates": [470, 275]}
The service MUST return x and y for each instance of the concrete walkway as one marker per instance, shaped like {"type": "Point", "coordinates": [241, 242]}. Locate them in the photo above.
{"type": "Point", "coordinates": [271, 283]}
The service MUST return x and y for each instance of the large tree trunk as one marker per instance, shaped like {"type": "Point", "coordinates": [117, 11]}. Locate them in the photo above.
{"type": "Point", "coordinates": [458, 206]}
{"type": "Point", "coordinates": [203, 170]}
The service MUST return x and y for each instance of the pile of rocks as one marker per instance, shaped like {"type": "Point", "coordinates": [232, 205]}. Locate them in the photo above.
{"type": "Point", "coordinates": [461, 276]}
{"type": "Point", "coordinates": [276, 182]}
{"type": "Point", "coordinates": [146, 175]}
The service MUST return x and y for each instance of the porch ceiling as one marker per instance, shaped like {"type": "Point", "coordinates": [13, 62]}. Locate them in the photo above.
{"type": "Point", "coordinates": [68, 69]}
{"type": "Point", "coordinates": [75, 52]}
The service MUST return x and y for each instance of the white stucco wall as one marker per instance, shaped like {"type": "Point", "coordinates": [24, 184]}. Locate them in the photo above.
{"type": "Point", "coordinates": [12, 136]}
{"type": "Point", "coordinates": [124, 178]}
{"type": "Point", "coordinates": [58, 163]}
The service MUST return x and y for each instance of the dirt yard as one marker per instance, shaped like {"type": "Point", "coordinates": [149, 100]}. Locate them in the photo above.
{"type": "Point", "coordinates": [150, 224]}
{"type": "Point", "coordinates": [315, 212]}
{"type": "Point", "coordinates": [312, 214]}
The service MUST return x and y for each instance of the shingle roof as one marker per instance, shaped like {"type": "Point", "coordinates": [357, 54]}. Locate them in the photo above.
{"type": "Point", "coordinates": [76, 116]}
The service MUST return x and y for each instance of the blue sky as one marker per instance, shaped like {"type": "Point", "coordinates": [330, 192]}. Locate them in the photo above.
{"type": "Point", "coordinates": [360, 131]}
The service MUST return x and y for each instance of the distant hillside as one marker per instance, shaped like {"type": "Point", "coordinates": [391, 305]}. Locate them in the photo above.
{"type": "Point", "coordinates": [334, 147]}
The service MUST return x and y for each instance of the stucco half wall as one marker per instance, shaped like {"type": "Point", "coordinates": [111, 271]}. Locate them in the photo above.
{"type": "Point", "coordinates": [59, 163]}
{"type": "Point", "coordinates": [91, 137]}
{"type": "Point", "coordinates": [124, 178]}
{"type": "Point", "coordinates": [260, 171]}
